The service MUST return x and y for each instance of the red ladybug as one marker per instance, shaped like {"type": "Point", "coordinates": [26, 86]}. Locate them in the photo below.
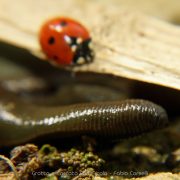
{"type": "Point", "coordinates": [66, 42]}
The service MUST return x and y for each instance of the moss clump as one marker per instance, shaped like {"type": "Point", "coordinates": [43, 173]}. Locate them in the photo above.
{"type": "Point", "coordinates": [47, 162]}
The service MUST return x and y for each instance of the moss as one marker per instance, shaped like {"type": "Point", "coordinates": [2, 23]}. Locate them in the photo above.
{"type": "Point", "coordinates": [49, 163]}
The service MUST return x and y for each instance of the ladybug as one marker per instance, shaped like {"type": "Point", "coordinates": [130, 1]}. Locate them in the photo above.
{"type": "Point", "coordinates": [66, 42]}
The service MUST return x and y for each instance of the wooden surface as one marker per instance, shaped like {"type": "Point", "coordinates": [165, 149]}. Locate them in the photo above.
{"type": "Point", "coordinates": [127, 43]}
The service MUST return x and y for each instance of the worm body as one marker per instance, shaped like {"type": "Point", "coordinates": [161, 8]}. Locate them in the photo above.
{"type": "Point", "coordinates": [112, 120]}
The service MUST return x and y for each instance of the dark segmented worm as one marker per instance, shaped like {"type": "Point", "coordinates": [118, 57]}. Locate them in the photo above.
{"type": "Point", "coordinates": [20, 122]}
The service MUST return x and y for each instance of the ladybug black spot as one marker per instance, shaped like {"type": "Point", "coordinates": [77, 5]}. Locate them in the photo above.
{"type": "Point", "coordinates": [63, 23]}
{"type": "Point", "coordinates": [51, 40]}
{"type": "Point", "coordinates": [55, 57]}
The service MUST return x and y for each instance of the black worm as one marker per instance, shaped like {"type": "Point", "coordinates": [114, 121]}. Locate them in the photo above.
{"type": "Point", "coordinates": [20, 122]}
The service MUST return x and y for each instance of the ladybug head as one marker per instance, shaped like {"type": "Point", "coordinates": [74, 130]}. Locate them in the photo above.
{"type": "Point", "coordinates": [82, 51]}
